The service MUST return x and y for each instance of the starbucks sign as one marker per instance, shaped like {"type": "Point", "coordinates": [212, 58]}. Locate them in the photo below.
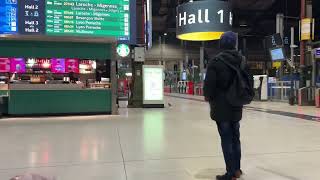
{"type": "Point", "coordinates": [123, 50]}
{"type": "Point", "coordinates": [203, 20]}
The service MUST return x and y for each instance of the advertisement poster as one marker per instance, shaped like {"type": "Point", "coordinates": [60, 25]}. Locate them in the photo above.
{"type": "Point", "coordinates": [72, 65]}
{"type": "Point", "coordinates": [306, 29]}
{"type": "Point", "coordinates": [4, 65]}
{"type": "Point", "coordinates": [17, 65]}
{"type": "Point", "coordinates": [58, 66]}
{"type": "Point", "coordinates": [153, 86]}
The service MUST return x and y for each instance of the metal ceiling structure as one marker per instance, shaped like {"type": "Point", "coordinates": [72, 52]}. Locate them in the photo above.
{"type": "Point", "coordinates": [251, 17]}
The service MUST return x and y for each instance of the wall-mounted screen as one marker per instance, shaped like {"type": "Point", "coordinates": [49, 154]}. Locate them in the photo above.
{"type": "Point", "coordinates": [72, 65]}
{"type": "Point", "coordinates": [89, 18]}
{"type": "Point", "coordinates": [87, 66]}
{"type": "Point", "coordinates": [277, 54]}
{"type": "Point", "coordinates": [4, 65]}
{"type": "Point", "coordinates": [17, 65]}
{"type": "Point", "coordinates": [8, 17]}
{"type": "Point", "coordinates": [58, 66]}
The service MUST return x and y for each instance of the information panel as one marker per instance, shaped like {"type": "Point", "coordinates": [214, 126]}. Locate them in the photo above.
{"type": "Point", "coordinates": [8, 16]}
{"type": "Point", "coordinates": [153, 85]}
{"type": "Point", "coordinates": [97, 18]}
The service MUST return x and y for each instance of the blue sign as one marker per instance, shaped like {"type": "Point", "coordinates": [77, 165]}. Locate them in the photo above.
{"type": "Point", "coordinates": [8, 10]}
{"type": "Point", "coordinates": [317, 53]}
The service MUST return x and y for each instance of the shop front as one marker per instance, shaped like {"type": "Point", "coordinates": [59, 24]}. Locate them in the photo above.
{"type": "Point", "coordinates": [57, 76]}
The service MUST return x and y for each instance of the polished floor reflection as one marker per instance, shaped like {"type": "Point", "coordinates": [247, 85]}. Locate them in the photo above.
{"type": "Point", "coordinates": [176, 143]}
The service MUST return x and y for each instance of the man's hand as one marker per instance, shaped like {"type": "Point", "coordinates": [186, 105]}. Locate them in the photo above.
{"type": "Point", "coordinates": [206, 99]}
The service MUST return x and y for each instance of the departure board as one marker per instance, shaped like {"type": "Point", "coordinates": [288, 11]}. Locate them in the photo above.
{"type": "Point", "coordinates": [90, 18]}
{"type": "Point", "coordinates": [8, 16]}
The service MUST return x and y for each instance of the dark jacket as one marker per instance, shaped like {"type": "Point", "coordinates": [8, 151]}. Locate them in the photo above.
{"type": "Point", "coordinates": [218, 79]}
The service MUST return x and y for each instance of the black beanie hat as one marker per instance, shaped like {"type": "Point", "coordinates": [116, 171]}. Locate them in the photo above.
{"type": "Point", "coordinates": [228, 40]}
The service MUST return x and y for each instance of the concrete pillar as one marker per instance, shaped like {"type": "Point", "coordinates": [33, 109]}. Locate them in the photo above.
{"type": "Point", "coordinates": [201, 58]}
{"type": "Point", "coordinates": [302, 44]}
{"type": "Point", "coordinates": [164, 64]}
{"type": "Point", "coordinates": [114, 81]}
{"type": "Point", "coordinates": [187, 59]}
{"type": "Point", "coordinates": [181, 66]}
{"type": "Point", "coordinates": [279, 26]}
{"type": "Point", "coordinates": [280, 29]}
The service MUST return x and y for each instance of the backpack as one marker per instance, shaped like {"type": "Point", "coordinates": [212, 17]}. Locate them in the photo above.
{"type": "Point", "coordinates": [240, 91]}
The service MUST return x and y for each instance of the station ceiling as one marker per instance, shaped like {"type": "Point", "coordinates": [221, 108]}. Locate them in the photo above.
{"type": "Point", "coordinates": [251, 17]}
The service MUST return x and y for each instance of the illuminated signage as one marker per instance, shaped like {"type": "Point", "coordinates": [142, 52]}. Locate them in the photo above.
{"type": "Point", "coordinates": [97, 18]}
{"type": "Point", "coordinates": [153, 85]}
{"type": "Point", "coordinates": [123, 50]}
{"type": "Point", "coordinates": [317, 53]}
{"type": "Point", "coordinates": [203, 20]}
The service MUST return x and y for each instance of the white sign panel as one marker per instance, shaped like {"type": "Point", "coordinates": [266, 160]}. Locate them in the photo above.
{"type": "Point", "coordinates": [153, 85]}
{"type": "Point", "coordinates": [139, 54]}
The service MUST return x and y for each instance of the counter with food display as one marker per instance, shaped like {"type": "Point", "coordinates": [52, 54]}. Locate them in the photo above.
{"type": "Point", "coordinates": [59, 101]}
{"type": "Point", "coordinates": [55, 86]}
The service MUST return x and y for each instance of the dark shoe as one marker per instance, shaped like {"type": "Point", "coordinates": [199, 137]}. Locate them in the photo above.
{"type": "Point", "coordinates": [225, 177]}
{"type": "Point", "coordinates": [238, 173]}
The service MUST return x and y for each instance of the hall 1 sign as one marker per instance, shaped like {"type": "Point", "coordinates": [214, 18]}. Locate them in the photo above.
{"type": "Point", "coordinates": [203, 20]}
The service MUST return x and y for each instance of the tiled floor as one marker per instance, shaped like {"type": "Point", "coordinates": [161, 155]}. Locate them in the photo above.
{"type": "Point", "coordinates": [176, 143]}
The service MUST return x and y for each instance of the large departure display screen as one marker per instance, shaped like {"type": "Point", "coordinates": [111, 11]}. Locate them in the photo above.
{"type": "Point", "coordinates": [89, 18]}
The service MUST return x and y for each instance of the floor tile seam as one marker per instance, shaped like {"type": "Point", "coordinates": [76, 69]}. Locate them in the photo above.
{"type": "Point", "coordinates": [129, 161]}
{"type": "Point", "coordinates": [263, 110]}
{"type": "Point", "coordinates": [215, 156]}
{"type": "Point", "coordinates": [62, 165]}
{"type": "Point", "coordinates": [52, 119]}
{"type": "Point", "coordinates": [122, 154]}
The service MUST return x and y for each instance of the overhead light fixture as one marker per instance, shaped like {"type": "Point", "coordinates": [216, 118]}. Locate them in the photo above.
{"type": "Point", "coordinates": [201, 36]}
{"type": "Point", "coordinates": [203, 20]}
{"type": "Point", "coordinates": [165, 34]}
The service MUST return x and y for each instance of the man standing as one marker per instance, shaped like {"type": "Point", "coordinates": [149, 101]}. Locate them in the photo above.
{"type": "Point", "coordinates": [221, 74]}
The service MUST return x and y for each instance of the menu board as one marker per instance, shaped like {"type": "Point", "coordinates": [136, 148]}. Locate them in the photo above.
{"type": "Point", "coordinates": [98, 18]}
{"type": "Point", "coordinates": [38, 65]}
{"type": "Point", "coordinates": [4, 65]}
{"type": "Point", "coordinates": [17, 65]}
{"type": "Point", "coordinates": [72, 65]}
{"type": "Point", "coordinates": [87, 66]}
{"type": "Point", "coordinates": [58, 66]}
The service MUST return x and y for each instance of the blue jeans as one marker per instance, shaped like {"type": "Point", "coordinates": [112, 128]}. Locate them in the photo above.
{"type": "Point", "coordinates": [231, 146]}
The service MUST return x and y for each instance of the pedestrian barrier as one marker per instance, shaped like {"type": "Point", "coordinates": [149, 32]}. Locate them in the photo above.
{"type": "Point", "coordinates": [306, 96]}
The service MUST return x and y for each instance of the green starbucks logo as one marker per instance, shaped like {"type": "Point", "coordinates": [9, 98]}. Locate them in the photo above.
{"type": "Point", "coordinates": [123, 50]}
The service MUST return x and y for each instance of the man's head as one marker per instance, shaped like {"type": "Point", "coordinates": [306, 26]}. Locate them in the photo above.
{"type": "Point", "coordinates": [228, 41]}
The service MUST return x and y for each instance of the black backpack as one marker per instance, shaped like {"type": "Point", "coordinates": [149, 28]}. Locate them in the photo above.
{"type": "Point", "coordinates": [240, 91]}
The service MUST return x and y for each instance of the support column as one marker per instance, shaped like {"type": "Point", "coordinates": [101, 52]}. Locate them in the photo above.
{"type": "Point", "coordinates": [181, 69]}
{"type": "Point", "coordinates": [302, 47]}
{"type": "Point", "coordinates": [202, 70]}
{"type": "Point", "coordinates": [136, 99]}
{"type": "Point", "coordinates": [114, 81]}
{"type": "Point", "coordinates": [164, 64]}
{"type": "Point", "coordinates": [280, 29]}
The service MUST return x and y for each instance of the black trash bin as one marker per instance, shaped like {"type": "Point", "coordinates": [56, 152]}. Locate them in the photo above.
{"type": "Point", "coordinates": [4, 105]}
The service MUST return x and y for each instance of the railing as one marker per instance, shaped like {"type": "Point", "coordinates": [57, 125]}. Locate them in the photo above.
{"type": "Point", "coordinates": [280, 91]}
